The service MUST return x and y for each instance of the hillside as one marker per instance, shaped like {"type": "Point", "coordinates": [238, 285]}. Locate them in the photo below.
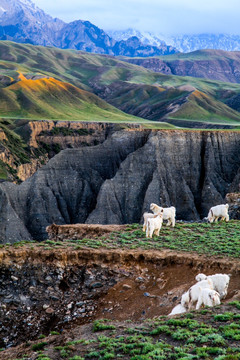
{"type": "Point", "coordinates": [52, 99]}
{"type": "Point", "coordinates": [209, 64]}
{"type": "Point", "coordinates": [80, 294]}
{"type": "Point", "coordinates": [130, 88]}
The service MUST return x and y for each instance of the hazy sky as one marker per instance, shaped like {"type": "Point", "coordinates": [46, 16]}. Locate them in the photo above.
{"type": "Point", "coordinates": [160, 16]}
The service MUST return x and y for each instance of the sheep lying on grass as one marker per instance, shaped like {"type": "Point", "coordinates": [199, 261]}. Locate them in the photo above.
{"type": "Point", "coordinates": [169, 214]}
{"type": "Point", "coordinates": [219, 211]}
{"type": "Point", "coordinates": [154, 224]}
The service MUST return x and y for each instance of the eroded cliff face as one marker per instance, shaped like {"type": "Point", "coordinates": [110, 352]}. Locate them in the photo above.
{"type": "Point", "coordinates": [35, 142]}
{"type": "Point", "coordinates": [115, 182]}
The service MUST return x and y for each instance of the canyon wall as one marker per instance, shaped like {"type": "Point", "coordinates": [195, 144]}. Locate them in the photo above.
{"type": "Point", "coordinates": [115, 181]}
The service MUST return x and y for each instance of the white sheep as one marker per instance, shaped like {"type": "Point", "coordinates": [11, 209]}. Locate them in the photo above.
{"type": "Point", "coordinates": [219, 211]}
{"type": "Point", "coordinates": [146, 215]}
{"type": "Point", "coordinates": [154, 224]}
{"type": "Point", "coordinates": [207, 297]}
{"type": "Point", "coordinates": [194, 292]}
{"type": "Point", "coordinates": [169, 214]}
{"type": "Point", "coordinates": [178, 309]}
{"type": "Point", "coordinates": [220, 282]}
{"type": "Point", "coordinates": [185, 299]}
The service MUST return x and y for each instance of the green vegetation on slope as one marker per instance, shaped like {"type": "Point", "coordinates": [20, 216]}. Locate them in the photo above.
{"type": "Point", "coordinates": [130, 88]}
{"type": "Point", "coordinates": [217, 239]}
{"type": "Point", "coordinates": [210, 334]}
{"type": "Point", "coordinates": [53, 99]}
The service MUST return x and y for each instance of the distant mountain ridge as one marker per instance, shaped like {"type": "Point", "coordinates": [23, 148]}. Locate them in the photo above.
{"type": "Point", "coordinates": [183, 43]}
{"type": "Point", "coordinates": [209, 64]}
{"type": "Point", "coordinates": [23, 22]}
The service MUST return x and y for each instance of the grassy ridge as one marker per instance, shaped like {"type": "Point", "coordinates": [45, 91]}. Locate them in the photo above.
{"type": "Point", "coordinates": [220, 239]}
{"type": "Point", "coordinates": [53, 99]}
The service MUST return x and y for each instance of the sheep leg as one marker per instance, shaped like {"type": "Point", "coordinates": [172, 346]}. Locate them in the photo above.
{"type": "Point", "coordinates": [199, 303]}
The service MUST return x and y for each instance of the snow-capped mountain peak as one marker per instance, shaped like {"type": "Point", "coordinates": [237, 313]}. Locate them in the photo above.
{"type": "Point", "coordinates": [184, 43]}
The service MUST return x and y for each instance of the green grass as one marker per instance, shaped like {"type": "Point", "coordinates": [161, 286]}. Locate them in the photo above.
{"type": "Point", "coordinates": [199, 337]}
{"type": "Point", "coordinates": [217, 239]}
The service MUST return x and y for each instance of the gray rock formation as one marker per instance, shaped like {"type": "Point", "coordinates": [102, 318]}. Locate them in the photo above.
{"type": "Point", "coordinates": [116, 181]}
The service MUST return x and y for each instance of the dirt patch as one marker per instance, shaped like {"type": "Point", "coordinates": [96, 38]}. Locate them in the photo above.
{"type": "Point", "coordinates": [155, 292]}
{"type": "Point", "coordinates": [79, 231]}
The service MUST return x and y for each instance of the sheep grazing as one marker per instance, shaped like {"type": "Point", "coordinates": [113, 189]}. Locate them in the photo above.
{"type": "Point", "coordinates": [207, 297]}
{"type": "Point", "coordinates": [219, 211]}
{"type": "Point", "coordinates": [220, 282]}
{"type": "Point", "coordinates": [154, 224]}
{"type": "Point", "coordinates": [195, 290]}
{"type": "Point", "coordinates": [178, 309]}
{"type": "Point", "coordinates": [169, 214]}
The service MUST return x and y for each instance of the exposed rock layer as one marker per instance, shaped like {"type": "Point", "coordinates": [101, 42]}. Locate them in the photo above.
{"type": "Point", "coordinates": [114, 182]}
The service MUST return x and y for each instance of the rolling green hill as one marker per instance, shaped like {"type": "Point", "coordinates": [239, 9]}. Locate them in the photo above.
{"type": "Point", "coordinates": [52, 99]}
{"type": "Point", "coordinates": [130, 88]}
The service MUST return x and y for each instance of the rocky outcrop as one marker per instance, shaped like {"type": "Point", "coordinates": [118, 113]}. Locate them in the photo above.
{"type": "Point", "coordinates": [233, 200]}
{"type": "Point", "coordinates": [44, 139]}
{"type": "Point", "coordinates": [114, 182]}
{"type": "Point", "coordinates": [66, 133]}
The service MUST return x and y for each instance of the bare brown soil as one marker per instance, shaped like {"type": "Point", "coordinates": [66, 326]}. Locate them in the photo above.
{"type": "Point", "coordinates": [79, 231]}
{"type": "Point", "coordinates": [147, 283]}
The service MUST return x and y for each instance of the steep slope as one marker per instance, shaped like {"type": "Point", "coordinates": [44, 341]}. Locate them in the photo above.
{"type": "Point", "coordinates": [22, 21]}
{"type": "Point", "coordinates": [115, 182]}
{"type": "Point", "coordinates": [202, 107]}
{"type": "Point", "coordinates": [54, 99]}
{"type": "Point", "coordinates": [210, 64]}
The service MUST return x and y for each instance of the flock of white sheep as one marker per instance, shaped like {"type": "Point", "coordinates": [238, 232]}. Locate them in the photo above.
{"type": "Point", "coordinates": [209, 289]}
{"type": "Point", "coordinates": [153, 221]}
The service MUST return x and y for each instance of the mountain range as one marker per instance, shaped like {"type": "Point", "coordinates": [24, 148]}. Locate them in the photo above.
{"type": "Point", "coordinates": [23, 22]}
{"type": "Point", "coordinates": [183, 43]}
